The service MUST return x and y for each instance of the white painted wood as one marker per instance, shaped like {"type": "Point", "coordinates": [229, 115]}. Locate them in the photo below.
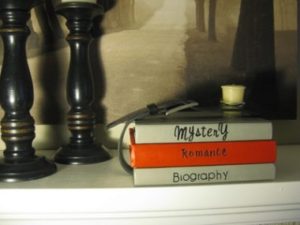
{"type": "Point", "coordinates": [104, 194]}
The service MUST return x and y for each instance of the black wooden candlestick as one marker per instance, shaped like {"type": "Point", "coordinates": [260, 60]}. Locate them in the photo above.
{"type": "Point", "coordinates": [16, 96]}
{"type": "Point", "coordinates": [80, 91]}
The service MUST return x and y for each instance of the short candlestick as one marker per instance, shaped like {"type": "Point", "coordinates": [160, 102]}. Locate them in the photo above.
{"type": "Point", "coordinates": [80, 91]}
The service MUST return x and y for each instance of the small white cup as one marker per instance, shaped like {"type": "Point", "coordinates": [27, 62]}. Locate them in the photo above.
{"type": "Point", "coordinates": [233, 94]}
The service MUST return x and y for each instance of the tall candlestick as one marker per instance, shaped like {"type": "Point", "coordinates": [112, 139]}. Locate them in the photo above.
{"type": "Point", "coordinates": [16, 96]}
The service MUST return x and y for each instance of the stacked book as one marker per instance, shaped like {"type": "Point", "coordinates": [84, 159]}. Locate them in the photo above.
{"type": "Point", "coordinates": [190, 150]}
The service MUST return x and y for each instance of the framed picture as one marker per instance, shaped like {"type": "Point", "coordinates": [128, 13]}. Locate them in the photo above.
{"type": "Point", "coordinates": [159, 50]}
{"type": "Point", "coordinates": [190, 48]}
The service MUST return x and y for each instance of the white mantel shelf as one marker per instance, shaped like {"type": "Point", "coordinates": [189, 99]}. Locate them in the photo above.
{"type": "Point", "coordinates": [104, 194]}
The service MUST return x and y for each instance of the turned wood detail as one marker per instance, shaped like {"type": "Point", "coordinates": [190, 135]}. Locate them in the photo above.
{"type": "Point", "coordinates": [80, 90]}
{"type": "Point", "coordinates": [81, 119]}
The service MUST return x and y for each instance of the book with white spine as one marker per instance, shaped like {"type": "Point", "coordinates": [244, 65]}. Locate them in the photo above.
{"type": "Point", "coordinates": [172, 130]}
{"type": "Point", "coordinates": [203, 174]}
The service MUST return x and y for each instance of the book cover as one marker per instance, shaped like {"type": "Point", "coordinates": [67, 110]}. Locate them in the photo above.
{"type": "Point", "coordinates": [170, 130]}
{"type": "Point", "coordinates": [201, 153]}
{"type": "Point", "coordinates": [203, 174]}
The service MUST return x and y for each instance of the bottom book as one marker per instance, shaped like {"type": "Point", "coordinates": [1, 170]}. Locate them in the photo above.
{"type": "Point", "coordinates": [203, 174]}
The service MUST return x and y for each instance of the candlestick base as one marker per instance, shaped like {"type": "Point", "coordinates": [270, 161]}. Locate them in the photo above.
{"type": "Point", "coordinates": [35, 168]}
{"type": "Point", "coordinates": [72, 154]}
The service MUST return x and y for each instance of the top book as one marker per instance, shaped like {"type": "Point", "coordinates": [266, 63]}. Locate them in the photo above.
{"type": "Point", "coordinates": [185, 128]}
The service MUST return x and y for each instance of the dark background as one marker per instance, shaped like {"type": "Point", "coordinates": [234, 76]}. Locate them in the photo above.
{"type": "Point", "coordinates": [152, 51]}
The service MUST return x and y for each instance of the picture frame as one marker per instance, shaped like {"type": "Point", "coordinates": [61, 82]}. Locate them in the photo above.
{"type": "Point", "coordinates": [126, 81]}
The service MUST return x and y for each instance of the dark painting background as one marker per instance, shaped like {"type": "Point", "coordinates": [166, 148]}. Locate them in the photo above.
{"type": "Point", "coordinates": [152, 51]}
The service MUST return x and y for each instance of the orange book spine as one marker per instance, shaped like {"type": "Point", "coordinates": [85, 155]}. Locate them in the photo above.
{"type": "Point", "coordinates": [201, 153]}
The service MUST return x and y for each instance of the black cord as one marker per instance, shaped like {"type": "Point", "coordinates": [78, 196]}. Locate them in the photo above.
{"type": "Point", "coordinates": [152, 109]}
{"type": "Point", "coordinates": [122, 160]}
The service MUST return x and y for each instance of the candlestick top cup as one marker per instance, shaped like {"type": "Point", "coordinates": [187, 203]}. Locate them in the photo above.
{"type": "Point", "coordinates": [80, 9]}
